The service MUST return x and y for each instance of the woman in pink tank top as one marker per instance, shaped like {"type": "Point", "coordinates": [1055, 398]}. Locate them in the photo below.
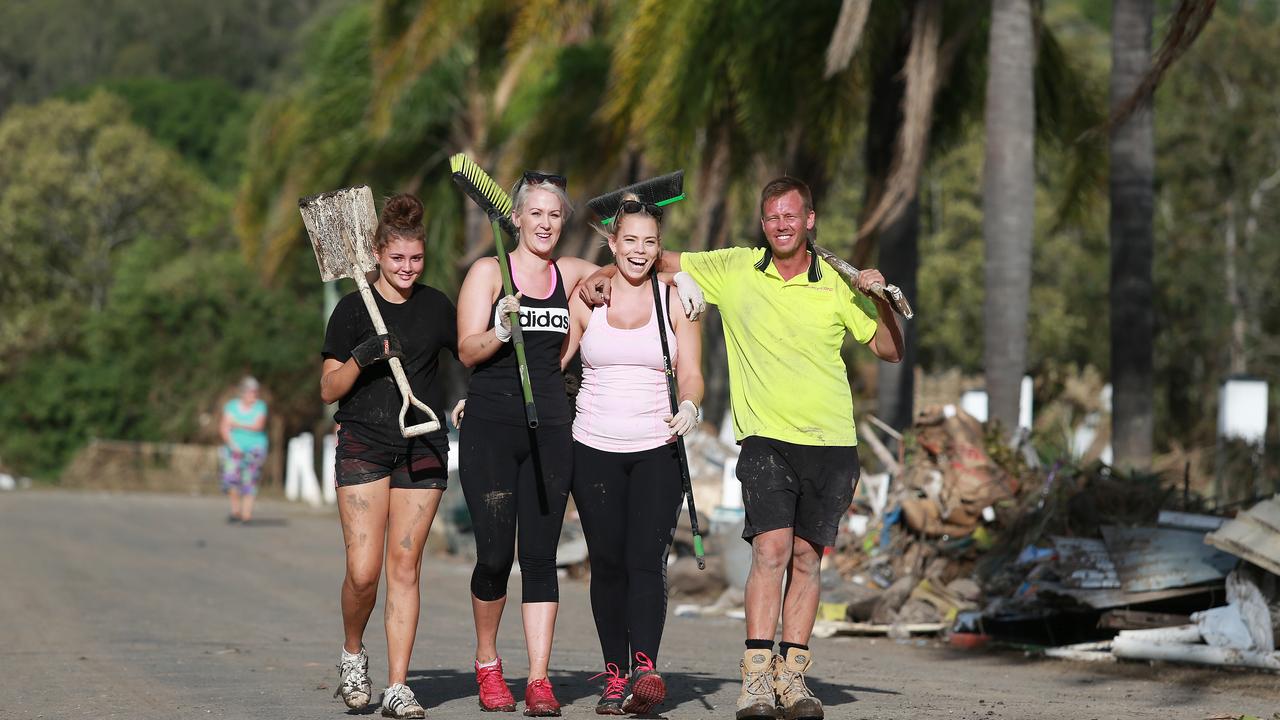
{"type": "Point", "coordinates": [626, 478]}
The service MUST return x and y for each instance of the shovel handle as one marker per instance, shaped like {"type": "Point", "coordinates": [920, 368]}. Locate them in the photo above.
{"type": "Point", "coordinates": [889, 293]}
{"type": "Point", "coordinates": [402, 382]}
{"type": "Point", "coordinates": [397, 368]}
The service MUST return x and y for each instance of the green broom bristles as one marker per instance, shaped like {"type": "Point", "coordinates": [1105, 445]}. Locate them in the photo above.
{"type": "Point", "coordinates": [483, 190]}
{"type": "Point", "coordinates": [661, 191]}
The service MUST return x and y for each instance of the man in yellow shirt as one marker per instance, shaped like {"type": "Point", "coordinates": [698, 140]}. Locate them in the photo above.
{"type": "Point", "coordinates": [785, 313]}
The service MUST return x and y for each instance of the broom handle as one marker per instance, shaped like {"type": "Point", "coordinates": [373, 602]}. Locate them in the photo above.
{"type": "Point", "coordinates": [517, 335]}
{"type": "Point", "coordinates": [671, 396]}
{"type": "Point", "coordinates": [397, 369]}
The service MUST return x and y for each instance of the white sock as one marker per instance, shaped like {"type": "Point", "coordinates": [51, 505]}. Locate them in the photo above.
{"type": "Point", "coordinates": [346, 654]}
{"type": "Point", "coordinates": [491, 663]}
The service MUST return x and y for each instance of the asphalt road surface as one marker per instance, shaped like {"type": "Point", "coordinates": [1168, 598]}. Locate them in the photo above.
{"type": "Point", "coordinates": [150, 606]}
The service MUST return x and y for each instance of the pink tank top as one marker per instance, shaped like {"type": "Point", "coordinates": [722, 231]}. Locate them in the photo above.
{"type": "Point", "coordinates": [623, 397]}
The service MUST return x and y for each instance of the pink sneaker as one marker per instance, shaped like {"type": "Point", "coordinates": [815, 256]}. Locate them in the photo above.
{"type": "Point", "coordinates": [539, 701]}
{"type": "Point", "coordinates": [647, 688]}
{"type": "Point", "coordinates": [614, 689]}
{"type": "Point", "coordinates": [494, 694]}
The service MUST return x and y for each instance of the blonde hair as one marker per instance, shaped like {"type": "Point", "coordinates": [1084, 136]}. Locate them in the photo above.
{"type": "Point", "coordinates": [520, 195]}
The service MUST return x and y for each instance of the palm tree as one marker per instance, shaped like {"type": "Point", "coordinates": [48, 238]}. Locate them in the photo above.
{"type": "Point", "coordinates": [728, 83]}
{"type": "Point", "coordinates": [1008, 205]}
{"type": "Point", "coordinates": [916, 67]}
{"type": "Point", "coordinates": [1132, 170]}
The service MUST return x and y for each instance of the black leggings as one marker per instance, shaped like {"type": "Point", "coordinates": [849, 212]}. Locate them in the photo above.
{"type": "Point", "coordinates": [629, 503]}
{"type": "Point", "coordinates": [516, 482]}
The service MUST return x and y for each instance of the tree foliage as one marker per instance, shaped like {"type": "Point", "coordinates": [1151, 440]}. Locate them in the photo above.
{"type": "Point", "coordinates": [129, 309]}
{"type": "Point", "coordinates": [47, 46]}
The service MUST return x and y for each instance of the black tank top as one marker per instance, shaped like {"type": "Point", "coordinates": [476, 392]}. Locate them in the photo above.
{"type": "Point", "coordinates": [494, 392]}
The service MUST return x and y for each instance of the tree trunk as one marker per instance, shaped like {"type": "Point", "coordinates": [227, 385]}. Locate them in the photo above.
{"type": "Point", "coordinates": [1132, 171]}
{"type": "Point", "coordinates": [1235, 348]}
{"type": "Point", "coordinates": [900, 259]}
{"type": "Point", "coordinates": [1008, 204]}
{"type": "Point", "coordinates": [711, 232]}
{"type": "Point", "coordinates": [898, 240]}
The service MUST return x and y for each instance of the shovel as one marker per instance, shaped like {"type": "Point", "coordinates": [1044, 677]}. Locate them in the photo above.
{"type": "Point", "coordinates": [888, 293]}
{"type": "Point", "coordinates": [341, 225]}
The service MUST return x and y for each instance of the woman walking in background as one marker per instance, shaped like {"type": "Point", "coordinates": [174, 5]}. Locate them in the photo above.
{"type": "Point", "coordinates": [389, 487]}
{"type": "Point", "coordinates": [627, 482]}
{"type": "Point", "coordinates": [244, 448]}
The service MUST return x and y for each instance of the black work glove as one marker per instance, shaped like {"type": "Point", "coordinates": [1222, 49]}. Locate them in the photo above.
{"type": "Point", "coordinates": [377, 349]}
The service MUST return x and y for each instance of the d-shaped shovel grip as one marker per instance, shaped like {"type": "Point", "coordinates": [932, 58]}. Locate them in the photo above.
{"type": "Point", "coordinates": [402, 382]}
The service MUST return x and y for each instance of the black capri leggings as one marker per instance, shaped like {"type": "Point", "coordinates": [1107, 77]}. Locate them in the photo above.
{"type": "Point", "coordinates": [629, 504]}
{"type": "Point", "coordinates": [516, 482]}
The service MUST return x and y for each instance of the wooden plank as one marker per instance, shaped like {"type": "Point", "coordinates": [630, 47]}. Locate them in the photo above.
{"type": "Point", "coordinates": [1139, 620]}
{"type": "Point", "coordinates": [1104, 598]}
{"type": "Point", "coordinates": [1267, 514]}
{"type": "Point", "coordinates": [1246, 538]}
{"type": "Point", "coordinates": [829, 628]}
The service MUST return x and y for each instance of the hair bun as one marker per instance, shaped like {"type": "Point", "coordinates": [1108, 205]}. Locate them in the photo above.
{"type": "Point", "coordinates": [402, 212]}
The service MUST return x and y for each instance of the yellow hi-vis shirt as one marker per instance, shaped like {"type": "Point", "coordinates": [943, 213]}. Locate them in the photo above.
{"type": "Point", "coordinates": [787, 380]}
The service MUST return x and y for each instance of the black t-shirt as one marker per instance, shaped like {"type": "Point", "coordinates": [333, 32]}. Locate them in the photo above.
{"type": "Point", "coordinates": [425, 324]}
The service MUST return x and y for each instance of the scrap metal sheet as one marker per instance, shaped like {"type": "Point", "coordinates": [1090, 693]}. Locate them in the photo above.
{"type": "Point", "coordinates": [1160, 558]}
{"type": "Point", "coordinates": [1085, 563]}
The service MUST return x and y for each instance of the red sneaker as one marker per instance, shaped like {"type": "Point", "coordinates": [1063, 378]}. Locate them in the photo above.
{"type": "Point", "coordinates": [539, 701]}
{"type": "Point", "coordinates": [615, 687]}
{"type": "Point", "coordinates": [647, 688]}
{"type": "Point", "coordinates": [494, 694]}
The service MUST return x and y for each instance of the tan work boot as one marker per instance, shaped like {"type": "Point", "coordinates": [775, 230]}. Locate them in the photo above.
{"type": "Point", "coordinates": [757, 701]}
{"type": "Point", "coordinates": [793, 695]}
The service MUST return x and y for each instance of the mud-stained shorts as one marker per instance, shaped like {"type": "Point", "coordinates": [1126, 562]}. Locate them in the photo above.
{"type": "Point", "coordinates": [420, 465]}
{"type": "Point", "coordinates": [805, 487]}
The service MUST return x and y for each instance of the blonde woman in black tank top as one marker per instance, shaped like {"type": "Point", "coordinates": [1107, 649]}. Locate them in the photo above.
{"type": "Point", "coordinates": [516, 480]}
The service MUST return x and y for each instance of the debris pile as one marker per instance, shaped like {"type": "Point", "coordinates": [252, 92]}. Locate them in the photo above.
{"type": "Point", "coordinates": [963, 536]}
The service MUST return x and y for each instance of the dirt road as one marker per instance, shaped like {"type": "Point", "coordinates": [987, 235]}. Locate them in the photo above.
{"type": "Point", "coordinates": [147, 606]}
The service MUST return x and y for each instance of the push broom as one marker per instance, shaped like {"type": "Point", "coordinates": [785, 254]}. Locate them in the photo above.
{"type": "Point", "coordinates": [486, 193]}
{"type": "Point", "coordinates": [660, 191]}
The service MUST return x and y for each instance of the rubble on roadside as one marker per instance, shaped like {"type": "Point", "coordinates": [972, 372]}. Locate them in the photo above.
{"type": "Point", "coordinates": [974, 539]}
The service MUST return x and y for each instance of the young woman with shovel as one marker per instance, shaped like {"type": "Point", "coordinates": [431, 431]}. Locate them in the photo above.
{"type": "Point", "coordinates": [389, 486]}
{"type": "Point", "coordinates": [627, 482]}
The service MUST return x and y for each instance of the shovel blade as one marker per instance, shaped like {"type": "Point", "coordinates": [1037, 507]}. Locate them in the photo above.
{"type": "Point", "coordinates": [341, 225]}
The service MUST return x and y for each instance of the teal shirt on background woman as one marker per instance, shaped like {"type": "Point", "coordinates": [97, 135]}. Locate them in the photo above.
{"type": "Point", "coordinates": [247, 440]}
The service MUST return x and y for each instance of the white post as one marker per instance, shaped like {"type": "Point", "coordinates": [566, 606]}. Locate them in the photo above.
{"type": "Point", "coordinates": [730, 488]}
{"type": "Point", "coordinates": [309, 490]}
{"type": "Point", "coordinates": [974, 402]}
{"type": "Point", "coordinates": [329, 469]}
{"type": "Point", "coordinates": [291, 485]}
{"type": "Point", "coordinates": [1025, 400]}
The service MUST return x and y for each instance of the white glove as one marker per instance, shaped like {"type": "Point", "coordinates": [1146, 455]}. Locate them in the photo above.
{"type": "Point", "coordinates": [690, 295]}
{"type": "Point", "coordinates": [458, 411]}
{"type": "Point", "coordinates": [686, 419]}
{"type": "Point", "coordinates": [502, 316]}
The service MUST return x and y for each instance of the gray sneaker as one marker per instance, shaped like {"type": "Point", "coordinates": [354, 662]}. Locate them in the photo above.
{"type": "Point", "coordinates": [398, 702]}
{"type": "Point", "coordinates": [354, 688]}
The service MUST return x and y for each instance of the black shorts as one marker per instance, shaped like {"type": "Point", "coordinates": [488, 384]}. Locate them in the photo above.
{"type": "Point", "coordinates": [421, 465]}
{"type": "Point", "coordinates": [805, 487]}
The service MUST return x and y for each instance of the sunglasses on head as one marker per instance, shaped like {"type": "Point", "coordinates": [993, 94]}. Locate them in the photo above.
{"type": "Point", "coordinates": [536, 178]}
{"type": "Point", "coordinates": [630, 207]}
